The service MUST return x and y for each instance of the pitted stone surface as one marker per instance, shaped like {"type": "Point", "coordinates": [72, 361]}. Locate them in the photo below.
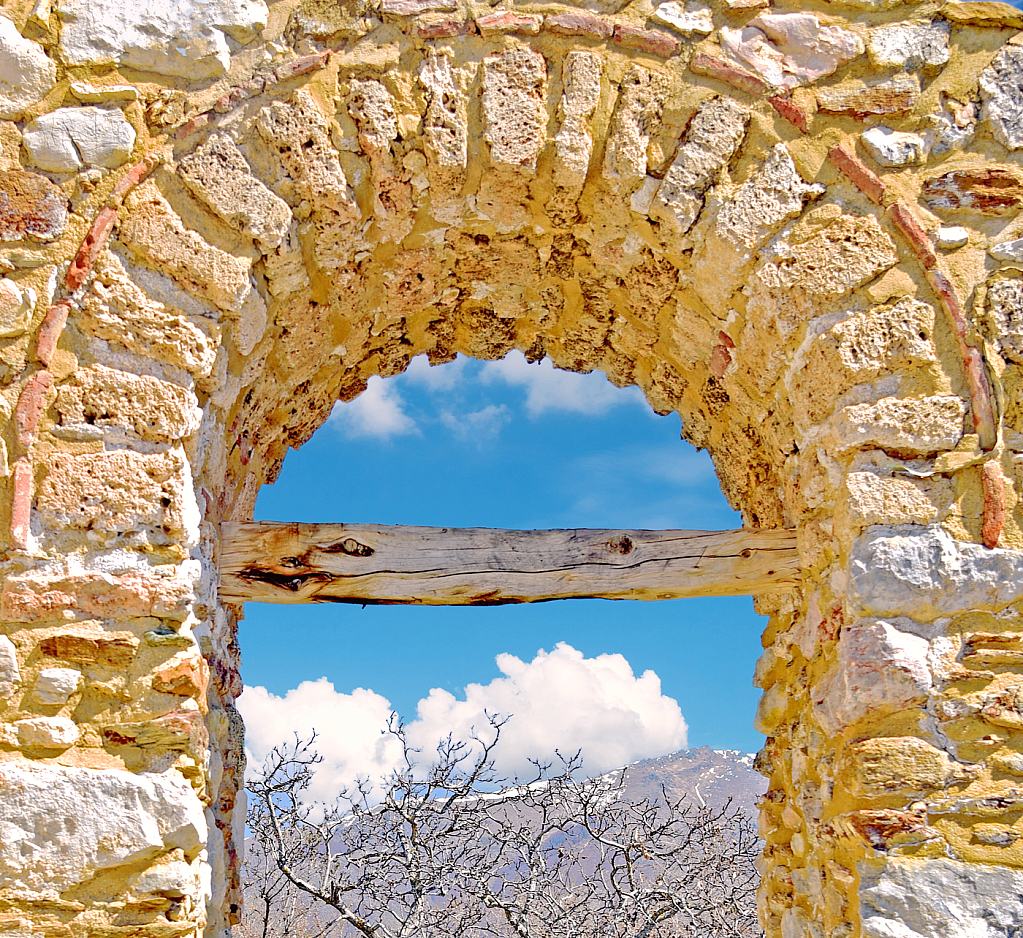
{"type": "Point", "coordinates": [187, 38]}
{"type": "Point", "coordinates": [880, 669]}
{"type": "Point", "coordinates": [579, 100]}
{"type": "Point", "coordinates": [927, 575]}
{"type": "Point", "coordinates": [446, 120]}
{"type": "Point", "coordinates": [940, 898]}
{"type": "Point", "coordinates": [1001, 88]}
{"type": "Point", "coordinates": [26, 73]}
{"type": "Point", "coordinates": [73, 138]}
{"type": "Point", "coordinates": [218, 175]}
{"type": "Point", "coordinates": [372, 108]}
{"type": "Point", "coordinates": [514, 115]}
{"type": "Point", "coordinates": [916, 427]}
{"type": "Point", "coordinates": [637, 112]}
{"type": "Point", "coordinates": [31, 207]}
{"type": "Point", "coordinates": [58, 825]}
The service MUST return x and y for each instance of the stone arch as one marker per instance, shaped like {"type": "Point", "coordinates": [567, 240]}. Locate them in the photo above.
{"type": "Point", "coordinates": [697, 200]}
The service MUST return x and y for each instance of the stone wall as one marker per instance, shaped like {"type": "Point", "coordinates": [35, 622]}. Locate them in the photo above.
{"type": "Point", "coordinates": [799, 227]}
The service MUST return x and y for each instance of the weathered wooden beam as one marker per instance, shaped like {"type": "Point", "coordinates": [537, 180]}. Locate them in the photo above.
{"type": "Point", "coordinates": [275, 562]}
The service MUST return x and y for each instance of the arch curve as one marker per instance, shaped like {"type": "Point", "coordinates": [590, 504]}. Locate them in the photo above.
{"type": "Point", "coordinates": [797, 229]}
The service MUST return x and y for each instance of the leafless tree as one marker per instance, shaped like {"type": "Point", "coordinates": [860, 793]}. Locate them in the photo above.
{"type": "Point", "coordinates": [456, 849]}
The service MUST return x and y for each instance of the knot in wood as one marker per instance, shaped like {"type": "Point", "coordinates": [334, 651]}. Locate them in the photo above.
{"type": "Point", "coordinates": [620, 544]}
{"type": "Point", "coordinates": [351, 547]}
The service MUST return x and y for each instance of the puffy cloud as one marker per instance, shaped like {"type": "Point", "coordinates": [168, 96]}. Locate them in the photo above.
{"type": "Point", "coordinates": [350, 727]}
{"type": "Point", "coordinates": [377, 412]}
{"type": "Point", "coordinates": [558, 701]}
{"type": "Point", "coordinates": [548, 389]}
{"type": "Point", "coordinates": [561, 700]}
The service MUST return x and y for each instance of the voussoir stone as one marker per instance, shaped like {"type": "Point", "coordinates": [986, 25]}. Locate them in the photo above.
{"type": "Point", "coordinates": [26, 73]}
{"type": "Point", "coordinates": [940, 898]}
{"type": "Point", "coordinates": [218, 175]}
{"type": "Point", "coordinates": [1001, 89]}
{"type": "Point", "coordinates": [59, 826]}
{"type": "Point", "coordinates": [514, 115]}
{"type": "Point", "coordinates": [31, 207]}
{"type": "Point", "coordinates": [187, 38]}
{"type": "Point", "coordinates": [72, 138]}
{"type": "Point", "coordinates": [927, 574]}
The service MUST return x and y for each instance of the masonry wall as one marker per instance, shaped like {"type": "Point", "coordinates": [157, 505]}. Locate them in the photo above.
{"type": "Point", "coordinates": [799, 227]}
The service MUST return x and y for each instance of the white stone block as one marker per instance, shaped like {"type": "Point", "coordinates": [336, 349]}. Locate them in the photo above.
{"type": "Point", "coordinates": [16, 307]}
{"type": "Point", "coordinates": [26, 73]}
{"type": "Point", "coordinates": [72, 138]}
{"type": "Point", "coordinates": [47, 733]}
{"type": "Point", "coordinates": [909, 45]}
{"type": "Point", "coordinates": [10, 675]}
{"type": "Point", "coordinates": [1001, 89]}
{"type": "Point", "coordinates": [686, 18]}
{"type": "Point", "coordinates": [59, 826]}
{"type": "Point", "coordinates": [892, 148]}
{"type": "Point", "coordinates": [952, 237]}
{"type": "Point", "coordinates": [54, 686]}
{"type": "Point", "coordinates": [186, 38]}
{"type": "Point", "coordinates": [1008, 251]}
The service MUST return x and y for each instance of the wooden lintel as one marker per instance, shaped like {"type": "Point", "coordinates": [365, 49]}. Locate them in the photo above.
{"type": "Point", "coordinates": [274, 562]}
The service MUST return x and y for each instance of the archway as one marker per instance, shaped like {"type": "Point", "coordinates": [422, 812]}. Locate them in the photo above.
{"type": "Point", "coordinates": [690, 216]}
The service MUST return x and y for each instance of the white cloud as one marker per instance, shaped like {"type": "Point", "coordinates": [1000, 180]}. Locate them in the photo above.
{"type": "Point", "coordinates": [561, 700]}
{"type": "Point", "coordinates": [558, 701]}
{"type": "Point", "coordinates": [548, 389]}
{"type": "Point", "coordinates": [350, 727]}
{"type": "Point", "coordinates": [479, 425]}
{"type": "Point", "coordinates": [378, 411]}
{"type": "Point", "coordinates": [436, 377]}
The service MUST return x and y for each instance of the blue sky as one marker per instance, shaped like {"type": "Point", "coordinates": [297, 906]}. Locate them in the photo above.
{"type": "Point", "coordinates": [503, 444]}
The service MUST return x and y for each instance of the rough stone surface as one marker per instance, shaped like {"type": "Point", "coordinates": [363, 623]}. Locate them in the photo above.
{"type": "Point", "coordinates": [1001, 89]}
{"type": "Point", "coordinates": [188, 38]}
{"type": "Point", "coordinates": [901, 765]}
{"type": "Point", "coordinates": [916, 427]}
{"type": "Point", "coordinates": [637, 112]}
{"type": "Point", "coordinates": [987, 191]}
{"type": "Point", "coordinates": [893, 148]}
{"type": "Point", "coordinates": [219, 176]}
{"type": "Point", "coordinates": [909, 46]}
{"type": "Point", "coordinates": [880, 669]}
{"type": "Point", "coordinates": [74, 138]}
{"type": "Point", "coordinates": [147, 408]}
{"type": "Point", "coordinates": [26, 73]}
{"type": "Point", "coordinates": [58, 825]}
{"type": "Point", "coordinates": [514, 117]}
{"type": "Point", "coordinates": [31, 207]}
{"type": "Point", "coordinates": [714, 134]}
{"type": "Point", "coordinates": [872, 499]}
{"type": "Point", "coordinates": [16, 307]}
{"type": "Point", "coordinates": [791, 49]}
{"type": "Point", "coordinates": [10, 673]}
{"type": "Point", "coordinates": [54, 686]}
{"type": "Point", "coordinates": [927, 575]}
{"type": "Point", "coordinates": [874, 98]}
{"type": "Point", "coordinates": [574, 141]}
{"type": "Point", "coordinates": [1005, 300]}
{"type": "Point", "coordinates": [939, 897]}
{"type": "Point", "coordinates": [119, 492]}
{"type": "Point", "coordinates": [1007, 250]}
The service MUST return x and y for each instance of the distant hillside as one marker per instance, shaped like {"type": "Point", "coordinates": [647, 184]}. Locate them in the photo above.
{"type": "Point", "coordinates": [711, 775]}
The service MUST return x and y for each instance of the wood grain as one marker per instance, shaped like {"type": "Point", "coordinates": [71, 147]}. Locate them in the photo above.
{"type": "Point", "coordinates": [275, 562]}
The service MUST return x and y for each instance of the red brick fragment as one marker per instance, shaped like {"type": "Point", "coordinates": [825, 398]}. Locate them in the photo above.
{"type": "Point", "coordinates": [30, 409]}
{"type": "Point", "coordinates": [713, 67]}
{"type": "Point", "coordinates": [579, 24]}
{"type": "Point", "coordinates": [94, 241]}
{"type": "Point", "coordinates": [50, 331]}
{"type": "Point", "coordinates": [910, 228]}
{"type": "Point", "coordinates": [861, 175]}
{"type": "Point", "coordinates": [133, 177]}
{"type": "Point", "coordinates": [239, 93]}
{"type": "Point", "coordinates": [21, 502]}
{"type": "Point", "coordinates": [444, 29]}
{"type": "Point", "coordinates": [721, 355]}
{"type": "Point", "coordinates": [192, 126]}
{"type": "Point", "coordinates": [302, 66]}
{"type": "Point", "coordinates": [508, 22]}
{"type": "Point", "coordinates": [791, 111]}
{"type": "Point", "coordinates": [994, 503]}
{"type": "Point", "coordinates": [947, 294]}
{"type": "Point", "coordinates": [647, 40]}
